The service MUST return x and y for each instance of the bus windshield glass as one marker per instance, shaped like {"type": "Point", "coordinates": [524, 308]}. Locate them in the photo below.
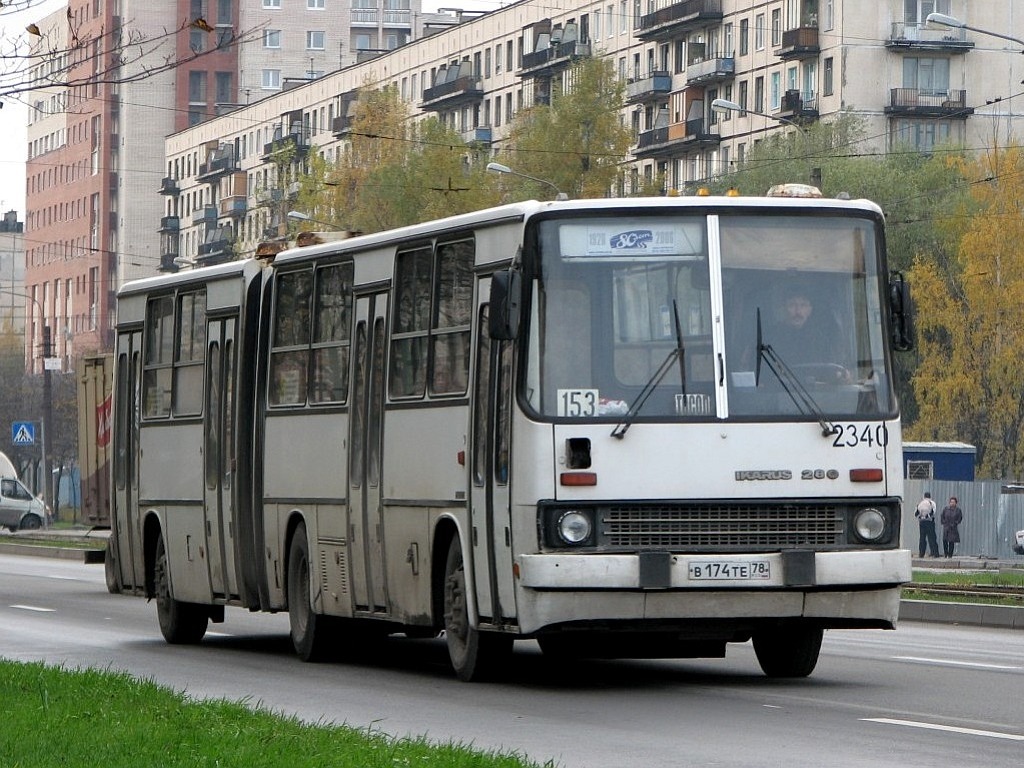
{"type": "Point", "coordinates": [699, 317]}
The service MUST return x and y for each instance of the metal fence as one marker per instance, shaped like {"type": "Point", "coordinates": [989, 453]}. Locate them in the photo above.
{"type": "Point", "coordinates": [993, 512]}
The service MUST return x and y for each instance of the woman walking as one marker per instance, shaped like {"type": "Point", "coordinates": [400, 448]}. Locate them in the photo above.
{"type": "Point", "coordinates": [951, 518]}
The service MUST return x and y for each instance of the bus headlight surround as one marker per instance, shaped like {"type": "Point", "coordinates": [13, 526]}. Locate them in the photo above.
{"type": "Point", "coordinates": [574, 527]}
{"type": "Point", "coordinates": [869, 524]}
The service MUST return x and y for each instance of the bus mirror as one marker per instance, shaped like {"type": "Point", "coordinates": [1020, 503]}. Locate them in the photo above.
{"type": "Point", "coordinates": [901, 313]}
{"type": "Point", "coordinates": [506, 295]}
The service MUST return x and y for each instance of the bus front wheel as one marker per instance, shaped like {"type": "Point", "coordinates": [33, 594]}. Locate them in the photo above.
{"type": "Point", "coordinates": [309, 630]}
{"type": "Point", "coordinates": [474, 655]}
{"type": "Point", "coordinates": [180, 623]}
{"type": "Point", "coordinates": [788, 651]}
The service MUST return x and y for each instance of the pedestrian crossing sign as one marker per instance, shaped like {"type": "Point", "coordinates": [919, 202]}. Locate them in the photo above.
{"type": "Point", "coordinates": [23, 433]}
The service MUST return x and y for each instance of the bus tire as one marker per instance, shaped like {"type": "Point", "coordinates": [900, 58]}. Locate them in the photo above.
{"type": "Point", "coordinates": [309, 630]}
{"type": "Point", "coordinates": [110, 573]}
{"type": "Point", "coordinates": [474, 655]}
{"type": "Point", "coordinates": [180, 623]}
{"type": "Point", "coordinates": [788, 651]}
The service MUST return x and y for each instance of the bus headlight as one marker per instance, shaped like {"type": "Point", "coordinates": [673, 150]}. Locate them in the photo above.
{"type": "Point", "coordinates": [574, 527]}
{"type": "Point", "coordinates": [869, 524]}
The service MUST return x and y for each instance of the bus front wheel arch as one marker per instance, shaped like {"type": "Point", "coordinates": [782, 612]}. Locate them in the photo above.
{"type": "Point", "coordinates": [310, 631]}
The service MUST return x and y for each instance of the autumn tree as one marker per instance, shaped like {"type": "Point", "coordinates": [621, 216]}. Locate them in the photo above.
{"type": "Point", "coordinates": [578, 142]}
{"type": "Point", "coordinates": [970, 326]}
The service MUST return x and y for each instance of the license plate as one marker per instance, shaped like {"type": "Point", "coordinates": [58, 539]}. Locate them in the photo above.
{"type": "Point", "coordinates": [730, 570]}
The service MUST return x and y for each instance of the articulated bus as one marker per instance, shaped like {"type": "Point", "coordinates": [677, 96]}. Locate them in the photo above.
{"type": "Point", "coordinates": [573, 422]}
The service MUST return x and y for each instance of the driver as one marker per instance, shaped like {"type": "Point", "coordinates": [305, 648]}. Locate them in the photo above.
{"type": "Point", "coordinates": [800, 336]}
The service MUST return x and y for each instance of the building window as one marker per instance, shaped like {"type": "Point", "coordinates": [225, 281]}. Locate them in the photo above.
{"type": "Point", "coordinates": [759, 32]}
{"type": "Point", "coordinates": [363, 43]}
{"type": "Point", "coordinates": [744, 37]}
{"type": "Point", "coordinates": [271, 79]}
{"type": "Point", "coordinates": [315, 40]}
{"type": "Point", "coordinates": [271, 3]}
{"type": "Point", "coordinates": [272, 38]}
{"type": "Point", "coordinates": [829, 21]}
{"type": "Point", "coordinates": [759, 94]}
{"type": "Point", "coordinates": [826, 86]}
{"type": "Point", "coordinates": [776, 92]}
{"type": "Point", "coordinates": [197, 87]}
{"type": "Point", "coordinates": [776, 27]}
{"type": "Point", "coordinates": [315, 5]}
{"type": "Point", "coordinates": [197, 40]}
{"type": "Point", "coordinates": [225, 87]}
{"type": "Point", "coordinates": [928, 76]}
{"type": "Point", "coordinates": [922, 135]}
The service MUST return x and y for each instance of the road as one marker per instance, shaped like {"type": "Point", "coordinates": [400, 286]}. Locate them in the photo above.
{"type": "Point", "coordinates": [925, 695]}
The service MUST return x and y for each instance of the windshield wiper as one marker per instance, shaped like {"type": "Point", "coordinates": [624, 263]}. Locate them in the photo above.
{"type": "Point", "coordinates": [679, 353]}
{"type": "Point", "coordinates": [791, 384]}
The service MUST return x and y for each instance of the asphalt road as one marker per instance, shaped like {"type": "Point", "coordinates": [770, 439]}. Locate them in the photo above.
{"type": "Point", "coordinates": [925, 695]}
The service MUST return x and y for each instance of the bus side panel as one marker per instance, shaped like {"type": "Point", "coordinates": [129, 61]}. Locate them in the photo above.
{"type": "Point", "coordinates": [95, 382]}
{"type": "Point", "coordinates": [304, 469]}
{"type": "Point", "coordinates": [171, 477]}
{"type": "Point", "coordinates": [423, 479]}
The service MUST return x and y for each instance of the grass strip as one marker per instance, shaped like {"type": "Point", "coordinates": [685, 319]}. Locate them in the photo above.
{"type": "Point", "coordinates": [59, 717]}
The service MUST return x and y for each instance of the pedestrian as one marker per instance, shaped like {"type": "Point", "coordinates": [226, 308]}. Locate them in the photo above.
{"type": "Point", "coordinates": [925, 515]}
{"type": "Point", "coordinates": [951, 518]}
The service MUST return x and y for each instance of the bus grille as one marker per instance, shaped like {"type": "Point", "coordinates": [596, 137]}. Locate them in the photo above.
{"type": "Point", "coordinates": [723, 527]}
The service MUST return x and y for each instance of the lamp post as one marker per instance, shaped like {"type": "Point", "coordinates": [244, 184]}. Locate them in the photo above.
{"type": "Point", "coordinates": [945, 20]}
{"type": "Point", "coordinates": [47, 398]}
{"type": "Point", "coordinates": [724, 106]}
{"type": "Point", "coordinates": [499, 168]}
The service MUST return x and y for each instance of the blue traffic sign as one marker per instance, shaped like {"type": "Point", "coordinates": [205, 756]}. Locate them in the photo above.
{"type": "Point", "coordinates": [23, 433]}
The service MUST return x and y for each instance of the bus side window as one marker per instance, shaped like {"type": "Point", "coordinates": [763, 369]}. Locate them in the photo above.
{"type": "Point", "coordinates": [289, 357]}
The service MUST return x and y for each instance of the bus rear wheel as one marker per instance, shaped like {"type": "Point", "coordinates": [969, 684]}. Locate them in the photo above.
{"type": "Point", "coordinates": [474, 655]}
{"type": "Point", "coordinates": [310, 631]}
{"type": "Point", "coordinates": [180, 623]}
{"type": "Point", "coordinates": [788, 651]}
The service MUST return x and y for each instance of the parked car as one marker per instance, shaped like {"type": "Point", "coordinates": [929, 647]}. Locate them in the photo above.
{"type": "Point", "coordinates": [1018, 544]}
{"type": "Point", "coordinates": [19, 508]}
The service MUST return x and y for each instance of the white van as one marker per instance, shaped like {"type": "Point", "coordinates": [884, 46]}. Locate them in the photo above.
{"type": "Point", "coordinates": [19, 508]}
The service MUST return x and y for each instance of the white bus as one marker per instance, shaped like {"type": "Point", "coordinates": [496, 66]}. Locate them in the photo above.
{"type": "Point", "coordinates": [575, 422]}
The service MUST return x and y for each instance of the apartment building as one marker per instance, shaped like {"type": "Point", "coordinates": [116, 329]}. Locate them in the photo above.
{"type": "Point", "coordinates": [96, 131]}
{"type": "Point", "coordinates": [915, 85]}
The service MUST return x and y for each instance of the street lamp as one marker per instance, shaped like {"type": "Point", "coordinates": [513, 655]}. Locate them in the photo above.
{"type": "Point", "coordinates": [949, 21]}
{"type": "Point", "coordinates": [723, 106]}
{"type": "Point", "coordinates": [499, 168]}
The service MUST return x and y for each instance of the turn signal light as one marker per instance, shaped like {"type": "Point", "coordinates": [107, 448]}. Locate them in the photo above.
{"type": "Point", "coordinates": [578, 478]}
{"type": "Point", "coordinates": [866, 475]}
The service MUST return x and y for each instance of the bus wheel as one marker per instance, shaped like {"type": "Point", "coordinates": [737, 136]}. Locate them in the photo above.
{"type": "Point", "coordinates": [474, 655]}
{"type": "Point", "coordinates": [110, 573]}
{"type": "Point", "coordinates": [180, 623]}
{"type": "Point", "coordinates": [309, 630]}
{"type": "Point", "coordinates": [788, 651]}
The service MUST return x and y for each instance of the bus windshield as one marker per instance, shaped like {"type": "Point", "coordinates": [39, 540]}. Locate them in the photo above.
{"type": "Point", "coordinates": [700, 317]}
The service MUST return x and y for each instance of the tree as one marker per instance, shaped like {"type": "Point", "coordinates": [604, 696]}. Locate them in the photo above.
{"type": "Point", "coordinates": [970, 324]}
{"type": "Point", "coordinates": [578, 143]}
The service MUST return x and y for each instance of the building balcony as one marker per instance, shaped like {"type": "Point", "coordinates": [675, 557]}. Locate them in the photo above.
{"type": "Point", "coordinates": [295, 143]}
{"type": "Point", "coordinates": [268, 196]}
{"type": "Point", "coordinates": [798, 107]}
{"type": "Point", "coordinates": [169, 186]}
{"type": "Point", "coordinates": [707, 71]}
{"type": "Point", "coordinates": [916, 102]}
{"type": "Point", "coordinates": [673, 20]}
{"type": "Point", "coordinates": [918, 37]}
{"type": "Point", "coordinates": [216, 168]}
{"type": "Point", "coordinates": [479, 135]}
{"type": "Point", "coordinates": [341, 126]}
{"type": "Point", "coordinates": [217, 248]}
{"type": "Point", "coordinates": [799, 43]}
{"type": "Point", "coordinates": [553, 59]}
{"type": "Point", "coordinates": [676, 139]}
{"type": "Point", "coordinates": [170, 224]}
{"type": "Point", "coordinates": [234, 205]}
{"type": "Point", "coordinates": [169, 251]}
{"type": "Point", "coordinates": [655, 87]}
{"type": "Point", "coordinates": [457, 93]}
{"type": "Point", "coordinates": [204, 215]}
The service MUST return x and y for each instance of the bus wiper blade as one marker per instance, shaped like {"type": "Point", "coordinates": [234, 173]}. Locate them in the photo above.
{"type": "Point", "coordinates": [676, 354]}
{"type": "Point", "coordinates": [791, 384]}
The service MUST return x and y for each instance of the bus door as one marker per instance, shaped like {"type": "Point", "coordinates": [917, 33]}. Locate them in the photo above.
{"type": "Point", "coordinates": [126, 466]}
{"type": "Point", "coordinates": [219, 456]}
{"type": "Point", "coordinates": [366, 525]}
{"type": "Point", "coordinates": [490, 516]}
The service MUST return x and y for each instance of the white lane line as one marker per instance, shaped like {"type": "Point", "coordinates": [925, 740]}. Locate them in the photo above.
{"type": "Point", "coordinates": [951, 663]}
{"type": "Point", "coordinates": [949, 728]}
{"type": "Point", "coordinates": [34, 608]}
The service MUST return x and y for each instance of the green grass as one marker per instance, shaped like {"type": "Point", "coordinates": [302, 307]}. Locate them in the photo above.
{"type": "Point", "coordinates": [59, 717]}
{"type": "Point", "coordinates": [1014, 578]}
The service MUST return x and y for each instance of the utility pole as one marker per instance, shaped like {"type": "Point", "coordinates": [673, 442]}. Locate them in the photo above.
{"type": "Point", "coordinates": [48, 496]}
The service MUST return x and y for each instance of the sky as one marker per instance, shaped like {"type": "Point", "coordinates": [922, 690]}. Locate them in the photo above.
{"type": "Point", "coordinates": [14, 16]}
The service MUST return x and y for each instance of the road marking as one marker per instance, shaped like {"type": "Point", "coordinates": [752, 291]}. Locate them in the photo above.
{"type": "Point", "coordinates": [34, 608]}
{"type": "Point", "coordinates": [949, 728]}
{"type": "Point", "coordinates": [951, 663]}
